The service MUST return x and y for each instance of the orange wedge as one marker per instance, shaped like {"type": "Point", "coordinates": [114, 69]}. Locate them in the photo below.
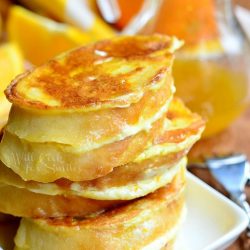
{"type": "Point", "coordinates": [11, 64]}
{"type": "Point", "coordinates": [40, 38]}
{"type": "Point", "coordinates": [79, 13]}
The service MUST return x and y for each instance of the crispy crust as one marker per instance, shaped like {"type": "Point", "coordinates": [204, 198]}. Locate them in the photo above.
{"type": "Point", "coordinates": [84, 78]}
{"type": "Point", "coordinates": [185, 124]}
{"type": "Point", "coordinates": [131, 226]}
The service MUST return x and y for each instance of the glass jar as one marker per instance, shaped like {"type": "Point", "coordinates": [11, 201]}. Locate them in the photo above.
{"type": "Point", "coordinates": [212, 70]}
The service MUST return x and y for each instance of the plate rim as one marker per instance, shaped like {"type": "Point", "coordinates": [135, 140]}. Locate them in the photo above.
{"type": "Point", "coordinates": [241, 216]}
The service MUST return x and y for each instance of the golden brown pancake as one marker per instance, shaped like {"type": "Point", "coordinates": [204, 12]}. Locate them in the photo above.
{"type": "Point", "coordinates": [24, 203]}
{"type": "Point", "coordinates": [182, 129]}
{"type": "Point", "coordinates": [110, 73]}
{"type": "Point", "coordinates": [134, 226]}
{"type": "Point", "coordinates": [47, 162]}
{"type": "Point", "coordinates": [90, 130]}
{"type": "Point", "coordinates": [123, 183]}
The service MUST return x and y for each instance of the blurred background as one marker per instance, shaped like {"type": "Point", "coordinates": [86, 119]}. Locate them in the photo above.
{"type": "Point", "coordinates": [211, 70]}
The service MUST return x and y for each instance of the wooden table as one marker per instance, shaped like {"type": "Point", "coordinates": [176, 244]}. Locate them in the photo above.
{"type": "Point", "coordinates": [235, 139]}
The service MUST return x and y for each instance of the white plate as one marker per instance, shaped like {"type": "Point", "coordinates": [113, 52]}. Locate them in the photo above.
{"type": "Point", "coordinates": [213, 222]}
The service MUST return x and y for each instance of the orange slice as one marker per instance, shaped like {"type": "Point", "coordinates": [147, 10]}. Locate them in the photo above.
{"type": "Point", "coordinates": [40, 38]}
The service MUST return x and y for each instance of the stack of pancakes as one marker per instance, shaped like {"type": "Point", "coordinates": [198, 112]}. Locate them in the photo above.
{"type": "Point", "coordinates": [93, 154]}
